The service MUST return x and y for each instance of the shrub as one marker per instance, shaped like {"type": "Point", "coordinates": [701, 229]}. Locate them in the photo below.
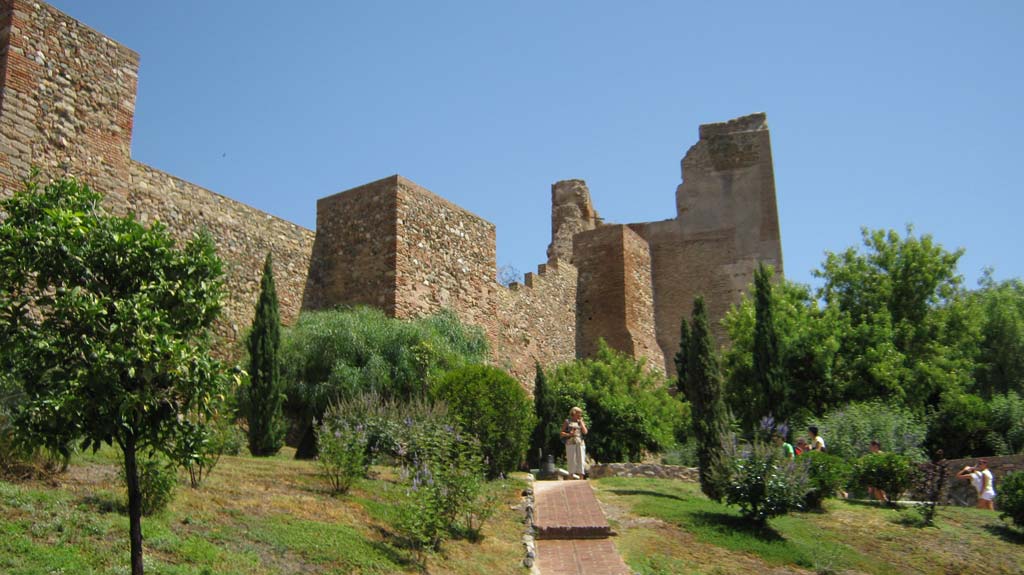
{"type": "Point", "coordinates": [445, 487]}
{"type": "Point", "coordinates": [764, 483]}
{"type": "Point", "coordinates": [342, 457]}
{"type": "Point", "coordinates": [827, 474]}
{"type": "Point", "coordinates": [890, 472]}
{"type": "Point", "coordinates": [626, 406]}
{"type": "Point", "coordinates": [335, 355]}
{"type": "Point", "coordinates": [492, 406]}
{"type": "Point", "coordinates": [929, 482]}
{"type": "Point", "coordinates": [1011, 498]}
{"type": "Point", "coordinates": [848, 431]}
{"type": "Point", "coordinates": [200, 446]}
{"type": "Point", "coordinates": [157, 479]}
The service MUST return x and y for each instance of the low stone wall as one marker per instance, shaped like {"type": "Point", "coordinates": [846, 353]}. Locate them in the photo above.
{"type": "Point", "coordinates": [960, 492]}
{"type": "Point", "coordinates": [644, 470]}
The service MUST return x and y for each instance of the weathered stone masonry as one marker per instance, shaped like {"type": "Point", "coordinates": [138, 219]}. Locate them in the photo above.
{"type": "Point", "coordinates": [67, 104]}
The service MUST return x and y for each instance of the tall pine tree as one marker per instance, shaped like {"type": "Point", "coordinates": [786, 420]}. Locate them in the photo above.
{"type": "Point", "coordinates": [264, 404]}
{"type": "Point", "coordinates": [767, 356]}
{"type": "Point", "coordinates": [702, 384]}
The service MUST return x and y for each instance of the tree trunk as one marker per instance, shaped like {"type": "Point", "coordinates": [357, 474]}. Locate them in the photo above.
{"type": "Point", "coordinates": [131, 472]}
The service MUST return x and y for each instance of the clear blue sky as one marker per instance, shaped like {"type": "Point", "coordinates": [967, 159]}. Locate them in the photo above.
{"type": "Point", "coordinates": [881, 113]}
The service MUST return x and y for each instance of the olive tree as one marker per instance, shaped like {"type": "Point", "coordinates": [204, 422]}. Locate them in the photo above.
{"type": "Point", "coordinates": [104, 324]}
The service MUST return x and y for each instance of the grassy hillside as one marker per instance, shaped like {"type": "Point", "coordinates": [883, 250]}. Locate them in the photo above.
{"type": "Point", "coordinates": [668, 527]}
{"type": "Point", "coordinates": [264, 516]}
{"type": "Point", "coordinates": [253, 516]}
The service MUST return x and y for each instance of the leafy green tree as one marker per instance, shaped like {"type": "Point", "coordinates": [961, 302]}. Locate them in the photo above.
{"type": "Point", "coordinates": [704, 391]}
{"type": "Point", "coordinates": [1000, 361]}
{"type": "Point", "coordinates": [959, 425]}
{"type": "Point", "coordinates": [264, 401]}
{"type": "Point", "coordinates": [811, 337]}
{"type": "Point", "coordinates": [108, 320]}
{"type": "Point", "coordinates": [768, 366]}
{"type": "Point", "coordinates": [626, 405]}
{"type": "Point", "coordinates": [889, 293]}
{"type": "Point", "coordinates": [549, 420]}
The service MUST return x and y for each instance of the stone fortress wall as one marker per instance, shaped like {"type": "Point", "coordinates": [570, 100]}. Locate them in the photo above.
{"type": "Point", "coordinates": [67, 106]}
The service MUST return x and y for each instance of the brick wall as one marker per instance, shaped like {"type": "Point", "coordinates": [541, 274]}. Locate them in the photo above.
{"type": "Point", "coordinates": [613, 297]}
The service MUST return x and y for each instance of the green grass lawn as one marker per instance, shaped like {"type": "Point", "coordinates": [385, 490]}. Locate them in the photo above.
{"type": "Point", "coordinates": [253, 516]}
{"type": "Point", "coordinates": [669, 527]}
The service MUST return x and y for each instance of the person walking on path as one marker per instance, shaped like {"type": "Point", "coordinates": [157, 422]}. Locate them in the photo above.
{"type": "Point", "coordinates": [573, 430]}
{"type": "Point", "coordinates": [983, 482]}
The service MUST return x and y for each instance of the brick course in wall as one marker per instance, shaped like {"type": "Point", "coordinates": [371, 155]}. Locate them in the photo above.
{"type": "Point", "coordinates": [67, 105]}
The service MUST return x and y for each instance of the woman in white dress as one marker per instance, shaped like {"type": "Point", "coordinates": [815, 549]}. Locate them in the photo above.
{"type": "Point", "coordinates": [573, 430]}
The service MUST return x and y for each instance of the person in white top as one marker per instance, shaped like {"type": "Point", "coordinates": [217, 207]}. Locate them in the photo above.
{"type": "Point", "coordinates": [817, 443]}
{"type": "Point", "coordinates": [983, 482]}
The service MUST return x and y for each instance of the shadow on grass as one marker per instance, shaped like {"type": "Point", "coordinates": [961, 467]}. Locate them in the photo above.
{"type": "Point", "coordinates": [645, 492]}
{"type": "Point", "coordinates": [727, 522]}
{"type": "Point", "coordinates": [1006, 533]}
{"type": "Point", "coordinates": [104, 503]}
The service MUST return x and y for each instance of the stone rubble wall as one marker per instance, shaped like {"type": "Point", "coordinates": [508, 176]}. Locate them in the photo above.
{"type": "Point", "coordinates": [355, 251]}
{"type": "Point", "coordinates": [447, 257]}
{"type": "Point", "coordinates": [572, 212]}
{"type": "Point", "coordinates": [243, 234]}
{"type": "Point", "coordinates": [68, 99]}
{"type": "Point", "coordinates": [535, 322]}
{"type": "Point", "coordinates": [960, 492]}
{"type": "Point", "coordinates": [652, 470]}
{"type": "Point", "coordinates": [68, 105]}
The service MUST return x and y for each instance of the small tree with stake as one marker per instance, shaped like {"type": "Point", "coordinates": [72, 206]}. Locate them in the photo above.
{"type": "Point", "coordinates": [109, 322]}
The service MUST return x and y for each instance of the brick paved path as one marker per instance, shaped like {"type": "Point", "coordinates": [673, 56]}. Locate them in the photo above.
{"type": "Point", "coordinates": [572, 532]}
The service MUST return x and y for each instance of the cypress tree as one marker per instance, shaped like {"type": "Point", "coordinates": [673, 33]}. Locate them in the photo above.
{"type": "Point", "coordinates": [767, 358]}
{"type": "Point", "coordinates": [545, 435]}
{"type": "Point", "coordinates": [703, 387]}
{"type": "Point", "coordinates": [682, 356]}
{"type": "Point", "coordinates": [264, 405]}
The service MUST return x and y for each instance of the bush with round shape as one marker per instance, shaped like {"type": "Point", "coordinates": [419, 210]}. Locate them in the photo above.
{"type": "Point", "coordinates": [891, 472]}
{"type": "Point", "coordinates": [492, 406]}
{"type": "Point", "coordinates": [157, 479]}
{"type": "Point", "coordinates": [1011, 498]}
{"type": "Point", "coordinates": [827, 474]}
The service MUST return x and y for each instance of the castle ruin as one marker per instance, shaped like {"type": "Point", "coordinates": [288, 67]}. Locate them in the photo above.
{"type": "Point", "coordinates": [67, 105]}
